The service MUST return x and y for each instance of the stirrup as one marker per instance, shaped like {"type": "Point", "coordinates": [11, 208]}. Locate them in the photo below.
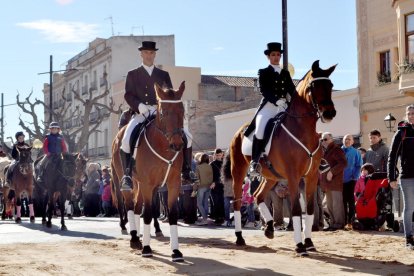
{"type": "Point", "coordinates": [126, 183]}
{"type": "Point", "coordinates": [255, 169]}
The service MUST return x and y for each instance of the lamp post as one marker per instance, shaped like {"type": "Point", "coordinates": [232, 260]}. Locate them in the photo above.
{"type": "Point", "coordinates": [389, 121]}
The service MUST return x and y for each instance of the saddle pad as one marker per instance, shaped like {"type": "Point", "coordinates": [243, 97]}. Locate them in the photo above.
{"type": "Point", "coordinates": [248, 142]}
{"type": "Point", "coordinates": [137, 134]}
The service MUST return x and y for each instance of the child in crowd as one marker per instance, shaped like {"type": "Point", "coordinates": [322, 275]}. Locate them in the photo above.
{"type": "Point", "coordinates": [106, 194]}
{"type": "Point", "coordinates": [248, 201]}
{"type": "Point", "coordinates": [366, 170]}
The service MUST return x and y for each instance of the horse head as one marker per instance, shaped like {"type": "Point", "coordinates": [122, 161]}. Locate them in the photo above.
{"type": "Point", "coordinates": [25, 159]}
{"type": "Point", "coordinates": [170, 118]}
{"type": "Point", "coordinates": [67, 167]}
{"type": "Point", "coordinates": [318, 88]}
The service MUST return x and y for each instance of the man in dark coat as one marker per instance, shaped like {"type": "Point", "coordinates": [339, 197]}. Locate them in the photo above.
{"type": "Point", "coordinates": [141, 98]}
{"type": "Point", "coordinates": [15, 155]}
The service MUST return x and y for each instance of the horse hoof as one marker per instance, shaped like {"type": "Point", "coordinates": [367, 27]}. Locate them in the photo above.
{"type": "Point", "coordinates": [70, 217]}
{"type": "Point", "coordinates": [240, 242]}
{"type": "Point", "coordinates": [43, 221]}
{"type": "Point", "coordinates": [135, 244]}
{"type": "Point", "coordinates": [124, 232]}
{"type": "Point", "coordinates": [309, 245]}
{"type": "Point", "coordinates": [269, 234]}
{"type": "Point", "coordinates": [159, 234]}
{"type": "Point", "coordinates": [147, 252]}
{"type": "Point", "coordinates": [18, 220]}
{"type": "Point", "coordinates": [32, 219]}
{"type": "Point", "coordinates": [177, 256]}
{"type": "Point", "coordinates": [63, 228]}
{"type": "Point", "coordinates": [49, 224]}
{"type": "Point", "coordinates": [301, 250]}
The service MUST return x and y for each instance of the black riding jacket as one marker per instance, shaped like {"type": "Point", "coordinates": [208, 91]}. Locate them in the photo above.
{"type": "Point", "coordinates": [402, 147]}
{"type": "Point", "coordinates": [15, 153]}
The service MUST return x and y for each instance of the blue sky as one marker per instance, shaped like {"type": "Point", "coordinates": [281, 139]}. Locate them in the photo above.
{"type": "Point", "coordinates": [222, 37]}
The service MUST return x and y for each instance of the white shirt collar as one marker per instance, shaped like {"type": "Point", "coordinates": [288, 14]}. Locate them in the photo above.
{"type": "Point", "coordinates": [276, 68]}
{"type": "Point", "coordinates": [149, 69]}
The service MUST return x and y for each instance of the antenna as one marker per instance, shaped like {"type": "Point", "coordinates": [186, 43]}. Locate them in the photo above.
{"type": "Point", "coordinates": [137, 27]}
{"type": "Point", "coordinates": [112, 24]}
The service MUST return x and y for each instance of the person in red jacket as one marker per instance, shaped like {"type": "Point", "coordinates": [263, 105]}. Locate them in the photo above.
{"type": "Point", "coordinates": [53, 145]}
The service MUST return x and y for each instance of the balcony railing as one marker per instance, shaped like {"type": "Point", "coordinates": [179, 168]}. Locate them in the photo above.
{"type": "Point", "coordinates": [93, 116]}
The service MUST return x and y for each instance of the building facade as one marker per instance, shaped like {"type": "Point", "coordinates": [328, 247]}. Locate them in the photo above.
{"type": "Point", "coordinates": [385, 37]}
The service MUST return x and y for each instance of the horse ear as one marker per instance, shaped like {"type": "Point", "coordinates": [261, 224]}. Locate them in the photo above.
{"type": "Point", "coordinates": [158, 91]}
{"type": "Point", "coordinates": [181, 89]}
{"type": "Point", "coordinates": [331, 69]}
{"type": "Point", "coordinates": [315, 66]}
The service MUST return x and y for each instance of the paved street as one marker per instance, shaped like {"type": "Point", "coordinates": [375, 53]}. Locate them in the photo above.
{"type": "Point", "coordinates": [95, 229]}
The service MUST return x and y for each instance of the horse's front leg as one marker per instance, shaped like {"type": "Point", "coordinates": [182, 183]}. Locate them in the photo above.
{"type": "Point", "coordinates": [62, 201]}
{"type": "Point", "coordinates": [173, 192]}
{"type": "Point", "coordinates": [18, 208]}
{"type": "Point", "coordinates": [260, 195]}
{"type": "Point", "coordinates": [50, 209]}
{"type": "Point", "coordinates": [31, 209]}
{"type": "Point", "coordinates": [133, 219]}
{"type": "Point", "coordinates": [311, 185]}
{"type": "Point", "coordinates": [293, 184]}
{"type": "Point", "coordinates": [155, 214]}
{"type": "Point", "coordinates": [43, 202]}
{"type": "Point", "coordinates": [147, 198]}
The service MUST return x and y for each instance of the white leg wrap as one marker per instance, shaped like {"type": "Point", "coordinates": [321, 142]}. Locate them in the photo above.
{"type": "Point", "coordinates": [297, 231]}
{"type": "Point", "coordinates": [265, 212]}
{"type": "Point", "coordinates": [137, 223]}
{"type": "Point", "coordinates": [131, 220]}
{"type": "Point", "coordinates": [237, 221]}
{"type": "Point", "coordinates": [147, 236]}
{"type": "Point", "coordinates": [174, 237]}
{"type": "Point", "coordinates": [308, 226]}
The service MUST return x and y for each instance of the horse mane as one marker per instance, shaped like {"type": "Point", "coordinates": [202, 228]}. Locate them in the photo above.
{"type": "Point", "coordinates": [302, 84]}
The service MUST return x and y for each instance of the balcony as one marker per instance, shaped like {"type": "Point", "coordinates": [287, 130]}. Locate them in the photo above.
{"type": "Point", "coordinates": [406, 71]}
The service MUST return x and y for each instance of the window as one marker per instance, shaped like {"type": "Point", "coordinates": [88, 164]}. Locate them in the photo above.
{"type": "Point", "coordinates": [384, 75]}
{"type": "Point", "coordinates": [409, 36]}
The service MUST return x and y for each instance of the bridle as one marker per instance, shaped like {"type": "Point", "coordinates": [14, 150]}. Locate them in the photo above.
{"type": "Point", "coordinates": [168, 135]}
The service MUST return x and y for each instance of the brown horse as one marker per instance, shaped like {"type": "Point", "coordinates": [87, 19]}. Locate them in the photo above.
{"type": "Point", "coordinates": [295, 152]}
{"type": "Point", "coordinates": [22, 181]}
{"type": "Point", "coordinates": [158, 161]}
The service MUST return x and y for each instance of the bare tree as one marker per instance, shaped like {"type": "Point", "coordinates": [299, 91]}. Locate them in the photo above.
{"type": "Point", "coordinates": [77, 123]}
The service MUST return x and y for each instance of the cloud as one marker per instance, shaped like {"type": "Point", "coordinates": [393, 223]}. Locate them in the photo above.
{"type": "Point", "coordinates": [63, 31]}
{"type": "Point", "coordinates": [64, 2]}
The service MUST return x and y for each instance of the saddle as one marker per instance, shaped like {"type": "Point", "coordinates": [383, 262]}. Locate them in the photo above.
{"type": "Point", "coordinates": [271, 126]}
{"type": "Point", "coordinates": [138, 130]}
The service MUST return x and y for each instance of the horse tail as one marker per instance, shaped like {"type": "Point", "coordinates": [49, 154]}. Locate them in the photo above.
{"type": "Point", "coordinates": [226, 168]}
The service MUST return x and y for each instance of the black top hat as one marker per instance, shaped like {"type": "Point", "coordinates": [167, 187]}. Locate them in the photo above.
{"type": "Point", "coordinates": [148, 45]}
{"type": "Point", "coordinates": [273, 46]}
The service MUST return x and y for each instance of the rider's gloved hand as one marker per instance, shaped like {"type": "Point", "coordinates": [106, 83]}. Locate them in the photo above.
{"type": "Point", "coordinates": [142, 108]}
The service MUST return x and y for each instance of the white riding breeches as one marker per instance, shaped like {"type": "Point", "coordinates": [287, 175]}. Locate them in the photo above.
{"type": "Point", "coordinates": [139, 118]}
{"type": "Point", "coordinates": [268, 111]}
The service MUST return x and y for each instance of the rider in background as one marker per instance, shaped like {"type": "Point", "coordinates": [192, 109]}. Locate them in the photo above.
{"type": "Point", "coordinates": [277, 88]}
{"type": "Point", "coordinates": [15, 155]}
{"type": "Point", "coordinates": [53, 145]}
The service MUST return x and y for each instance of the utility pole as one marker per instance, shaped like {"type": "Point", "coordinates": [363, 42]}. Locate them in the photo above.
{"type": "Point", "coordinates": [50, 89]}
{"type": "Point", "coordinates": [285, 34]}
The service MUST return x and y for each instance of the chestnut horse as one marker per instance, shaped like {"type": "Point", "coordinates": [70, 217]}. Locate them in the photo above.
{"type": "Point", "coordinates": [295, 152]}
{"type": "Point", "coordinates": [158, 161]}
{"type": "Point", "coordinates": [22, 181]}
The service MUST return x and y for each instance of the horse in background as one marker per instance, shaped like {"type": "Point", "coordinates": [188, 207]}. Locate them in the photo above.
{"type": "Point", "coordinates": [59, 174]}
{"type": "Point", "coordinates": [21, 181]}
{"type": "Point", "coordinates": [295, 152]}
{"type": "Point", "coordinates": [158, 161]}
{"type": "Point", "coordinates": [7, 209]}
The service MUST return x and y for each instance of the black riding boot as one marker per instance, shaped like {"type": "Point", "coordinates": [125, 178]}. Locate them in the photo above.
{"type": "Point", "coordinates": [257, 149]}
{"type": "Point", "coordinates": [186, 169]}
{"type": "Point", "coordinates": [126, 182]}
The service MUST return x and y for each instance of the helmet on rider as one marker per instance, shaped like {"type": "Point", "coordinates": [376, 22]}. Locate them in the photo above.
{"type": "Point", "coordinates": [18, 134]}
{"type": "Point", "coordinates": [54, 125]}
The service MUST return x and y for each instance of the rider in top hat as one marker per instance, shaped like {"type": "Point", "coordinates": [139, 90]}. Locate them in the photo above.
{"type": "Point", "coordinates": [15, 155]}
{"type": "Point", "coordinates": [54, 144]}
{"type": "Point", "coordinates": [141, 98]}
{"type": "Point", "coordinates": [277, 88]}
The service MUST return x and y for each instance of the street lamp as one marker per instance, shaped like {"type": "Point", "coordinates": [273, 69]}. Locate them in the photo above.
{"type": "Point", "coordinates": [389, 121]}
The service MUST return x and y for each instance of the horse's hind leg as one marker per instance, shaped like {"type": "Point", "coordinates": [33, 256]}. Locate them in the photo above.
{"type": "Point", "coordinates": [31, 210]}
{"type": "Point", "coordinates": [135, 241]}
{"type": "Point", "coordinates": [260, 195]}
{"type": "Point", "coordinates": [147, 197]}
{"type": "Point", "coordinates": [50, 209]}
{"type": "Point", "coordinates": [155, 214]}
